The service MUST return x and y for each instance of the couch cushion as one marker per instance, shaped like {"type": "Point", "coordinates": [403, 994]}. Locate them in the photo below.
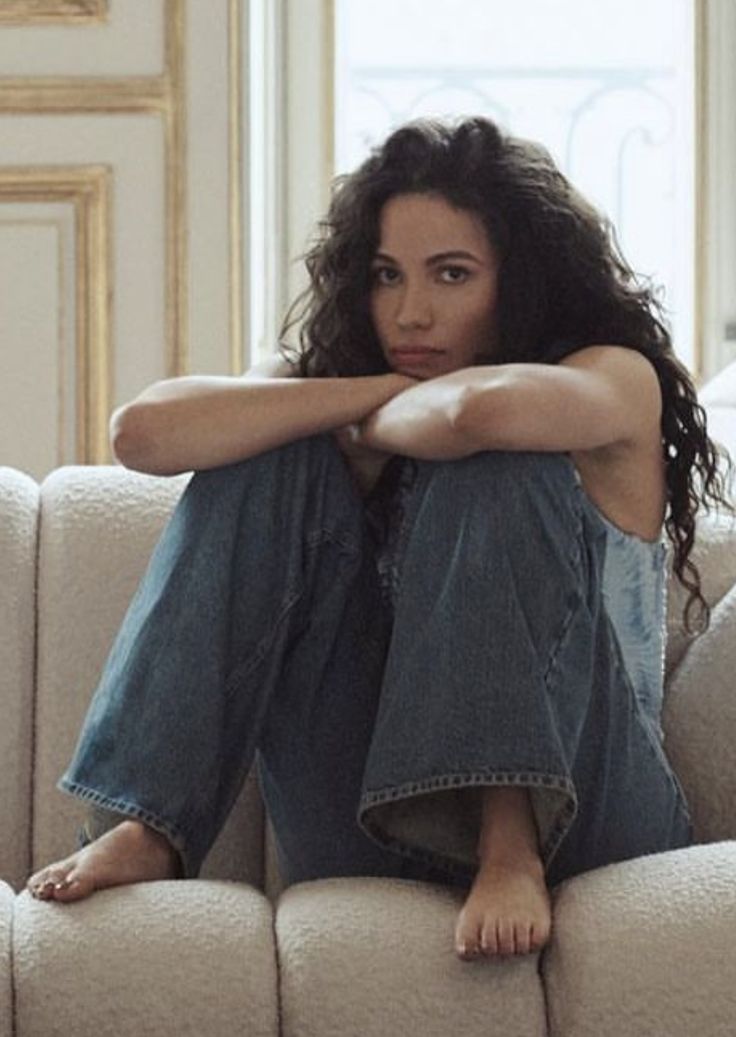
{"type": "Point", "coordinates": [714, 554]}
{"type": "Point", "coordinates": [646, 947]}
{"type": "Point", "coordinates": [156, 958]}
{"type": "Point", "coordinates": [7, 896]}
{"type": "Point", "coordinates": [18, 542]}
{"type": "Point", "coordinates": [699, 721]}
{"type": "Point", "coordinates": [367, 957]}
{"type": "Point", "coordinates": [98, 529]}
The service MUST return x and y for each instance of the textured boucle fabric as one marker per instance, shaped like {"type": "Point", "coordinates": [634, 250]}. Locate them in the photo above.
{"type": "Point", "coordinates": [99, 526]}
{"type": "Point", "coordinates": [18, 542]}
{"type": "Point", "coordinates": [372, 957]}
{"type": "Point", "coordinates": [699, 720]}
{"type": "Point", "coordinates": [6, 960]}
{"type": "Point", "coordinates": [646, 948]}
{"type": "Point", "coordinates": [699, 712]}
{"type": "Point", "coordinates": [159, 959]}
{"type": "Point", "coordinates": [714, 554]}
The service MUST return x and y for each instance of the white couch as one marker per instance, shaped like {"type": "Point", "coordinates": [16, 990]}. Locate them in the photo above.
{"type": "Point", "coordinates": [644, 947]}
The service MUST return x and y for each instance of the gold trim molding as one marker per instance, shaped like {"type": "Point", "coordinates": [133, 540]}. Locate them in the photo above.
{"type": "Point", "coordinates": [88, 189]}
{"type": "Point", "coordinates": [162, 95]}
{"type": "Point", "coordinates": [42, 95]}
{"type": "Point", "coordinates": [54, 12]}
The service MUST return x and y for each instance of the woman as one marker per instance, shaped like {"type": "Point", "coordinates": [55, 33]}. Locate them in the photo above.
{"type": "Point", "coordinates": [419, 573]}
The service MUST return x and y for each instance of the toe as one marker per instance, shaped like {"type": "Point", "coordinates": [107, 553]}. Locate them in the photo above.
{"type": "Point", "coordinates": [505, 933]}
{"type": "Point", "coordinates": [466, 943]}
{"type": "Point", "coordinates": [75, 886]}
{"type": "Point", "coordinates": [489, 939]}
{"type": "Point", "coordinates": [37, 880]}
{"type": "Point", "coordinates": [522, 939]}
{"type": "Point", "coordinates": [44, 889]}
{"type": "Point", "coordinates": [43, 884]}
{"type": "Point", "coordinates": [466, 937]}
{"type": "Point", "coordinates": [538, 936]}
{"type": "Point", "coordinates": [468, 951]}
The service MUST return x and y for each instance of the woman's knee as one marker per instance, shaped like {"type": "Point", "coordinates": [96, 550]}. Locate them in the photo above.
{"type": "Point", "coordinates": [297, 454]}
{"type": "Point", "coordinates": [511, 494]}
{"type": "Point", "coordinates": [491, 471]}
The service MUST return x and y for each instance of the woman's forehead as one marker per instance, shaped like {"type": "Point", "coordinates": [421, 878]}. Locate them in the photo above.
{"type": "Point", "coordinates": [429, 224]}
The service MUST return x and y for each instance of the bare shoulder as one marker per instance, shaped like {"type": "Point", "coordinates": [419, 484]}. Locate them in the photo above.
{"type": "Point", "coordinates": [629, 369]}
{"type": "Point", "coordinates": [633, 379]}
{"type": "Point", "coordinates": [626, 480]}
{"type": "Point", "coordinates": [273, 367]}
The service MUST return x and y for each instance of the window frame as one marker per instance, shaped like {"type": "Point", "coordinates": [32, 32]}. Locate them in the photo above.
{"type": "Point", "coordinates": [300, 149]}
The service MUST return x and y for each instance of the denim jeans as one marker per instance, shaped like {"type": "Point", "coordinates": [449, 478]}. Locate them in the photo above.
{"type": "Point", "coordinates": [259, 632]}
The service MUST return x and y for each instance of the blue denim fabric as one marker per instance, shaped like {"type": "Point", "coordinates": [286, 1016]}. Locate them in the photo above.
{"type": "Point", "coordinates": [263, 631]}
{"type": "Point", "coordinates": [635, 598]}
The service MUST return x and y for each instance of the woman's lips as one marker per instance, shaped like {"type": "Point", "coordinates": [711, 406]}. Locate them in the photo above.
{"type": "Point", "coordinates": [412, 354]}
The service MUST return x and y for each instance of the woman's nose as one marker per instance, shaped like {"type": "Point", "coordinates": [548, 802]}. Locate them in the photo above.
{"type": "Point", "coordinates": [414, 309]}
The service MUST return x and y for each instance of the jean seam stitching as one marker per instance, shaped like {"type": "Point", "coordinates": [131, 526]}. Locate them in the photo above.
{"type": "Point", "coordinates": [244, 667]}
{"type": "Point", "coordinates": [527, 779]}
{"type": "Point", "coordinates": [123, 807]}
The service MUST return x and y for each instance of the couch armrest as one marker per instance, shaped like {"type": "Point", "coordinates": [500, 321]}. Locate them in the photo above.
{"type": "Point", "coordinates": [646, 947]}
{"type": "Point", "coordinates": [699, 721]}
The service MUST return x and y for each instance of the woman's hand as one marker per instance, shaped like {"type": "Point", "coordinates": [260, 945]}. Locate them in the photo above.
{"type": "Point", "coordinates": [353, 446]}
{"type": "Point", "coordinates": [354, 439]}
{"type": "Point", "coordinates": [365, 462]}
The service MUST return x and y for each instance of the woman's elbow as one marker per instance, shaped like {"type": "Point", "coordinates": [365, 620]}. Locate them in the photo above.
{"type": "Point", "coordinates": [133, 439]}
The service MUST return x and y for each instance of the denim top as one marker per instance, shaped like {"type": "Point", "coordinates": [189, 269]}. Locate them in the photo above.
{"type": "Point", "coordinates": [634, 585]}
{"type": "Point", "coordinates": [635, 598]}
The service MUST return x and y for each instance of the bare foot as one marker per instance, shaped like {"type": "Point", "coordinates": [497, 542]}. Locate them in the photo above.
{"type": "Point", "coordinates": [130, 852]}
{"type": "Point", "coordinates": [507, 911]}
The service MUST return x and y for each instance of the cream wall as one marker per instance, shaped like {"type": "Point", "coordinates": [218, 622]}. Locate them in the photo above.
{"type": "Point", "coordinates": [121, 214]}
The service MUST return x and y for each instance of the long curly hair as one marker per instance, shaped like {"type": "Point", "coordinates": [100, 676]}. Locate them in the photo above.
{"type": "Point", "coordinates": [563, 284]}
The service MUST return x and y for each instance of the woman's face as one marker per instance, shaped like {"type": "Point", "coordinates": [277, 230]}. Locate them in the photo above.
{"type": "Point", "coordinates": [433, 287]}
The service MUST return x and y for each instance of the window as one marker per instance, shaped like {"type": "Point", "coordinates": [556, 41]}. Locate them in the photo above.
{"type": "Point", "coordinates": [634, 101]}
{"type": "Point", "coordinates": [607, 87]}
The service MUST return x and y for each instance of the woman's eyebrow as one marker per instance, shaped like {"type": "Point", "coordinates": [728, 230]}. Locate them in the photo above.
{"type": "Point", "coordinates": [439, 257]}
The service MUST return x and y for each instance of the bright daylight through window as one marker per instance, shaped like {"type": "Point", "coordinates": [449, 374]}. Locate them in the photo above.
{"type": "Point", "coordinates": [607, 87]}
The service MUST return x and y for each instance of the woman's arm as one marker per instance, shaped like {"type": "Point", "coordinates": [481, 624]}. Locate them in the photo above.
{"type": "Point", "coordinates": [424, 423]}
{"type": "Point", "coordinates": [204, 421]}
{"type": "Point", "coordinates": [599, 396]}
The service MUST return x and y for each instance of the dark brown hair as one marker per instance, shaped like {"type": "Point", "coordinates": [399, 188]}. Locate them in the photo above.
{"type": "Point", "coordinates": [563, 284]}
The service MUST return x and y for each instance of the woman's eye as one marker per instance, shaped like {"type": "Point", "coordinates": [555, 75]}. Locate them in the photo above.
{"type": "Point", "coordinates": [453, 274]}
{"type": "Point", "coordinates": [387, 275]}
{"type": "Point", "coordinates": [384, 275]}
